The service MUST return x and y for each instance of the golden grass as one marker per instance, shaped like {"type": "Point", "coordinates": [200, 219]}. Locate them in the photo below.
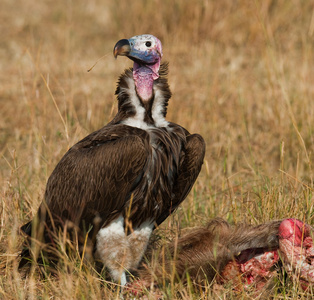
{"type": "Point", "coordinates": [241, 74]}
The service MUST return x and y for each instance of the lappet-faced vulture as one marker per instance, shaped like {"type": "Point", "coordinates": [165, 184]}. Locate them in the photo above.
{"type": "Point", "coordinates": [124, 179]}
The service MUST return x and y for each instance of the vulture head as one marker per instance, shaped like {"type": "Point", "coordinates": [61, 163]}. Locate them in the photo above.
{"type": "Point", "coordinates": [146, 52]}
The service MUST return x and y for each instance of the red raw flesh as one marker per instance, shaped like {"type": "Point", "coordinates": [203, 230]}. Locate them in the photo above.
{"type": "Point", "coordinates": [296, 247]}
{"type": "Point", "coordinates": [256, 271]}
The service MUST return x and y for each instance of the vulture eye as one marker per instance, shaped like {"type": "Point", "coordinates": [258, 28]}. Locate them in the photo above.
{"type": "Point", "coordinates": [148, 44]}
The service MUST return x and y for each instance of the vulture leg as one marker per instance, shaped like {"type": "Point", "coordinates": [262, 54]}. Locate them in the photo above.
{"type": "Point", "coordinates": [113, 249]}
{"type": "Point", "coordinates": [119, 252]}
{"type": "Point", "coordinates": [138, 241]}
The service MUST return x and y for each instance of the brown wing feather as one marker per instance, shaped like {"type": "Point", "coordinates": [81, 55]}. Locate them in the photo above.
{"type": "Point", "coordinates": [191, 160]}
{"type": "Point", "coordinates": [95, 177]}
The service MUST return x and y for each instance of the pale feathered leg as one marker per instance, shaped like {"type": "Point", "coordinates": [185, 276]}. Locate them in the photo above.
{"type": "Point", "coordinates": [138, 241]}
{"type": "Point", "coordinates": [119, 252]}
{"type": "Point", "coordinates": [113, 249]}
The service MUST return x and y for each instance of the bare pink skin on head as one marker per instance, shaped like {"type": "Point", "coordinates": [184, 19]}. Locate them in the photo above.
{"type": "Point", "coordinates": [144, 80]}
{"type": "Point", "coordinates": [144, 73]}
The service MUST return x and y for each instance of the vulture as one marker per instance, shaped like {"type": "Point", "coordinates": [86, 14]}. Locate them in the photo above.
{"type": "Point", "coordinates": [117, 184]}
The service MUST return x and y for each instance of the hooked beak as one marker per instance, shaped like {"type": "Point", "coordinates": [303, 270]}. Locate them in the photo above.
{"type": "Point", "coordinates": [127, 48]}
{"type": "Point", "coordinates": [122, 48]}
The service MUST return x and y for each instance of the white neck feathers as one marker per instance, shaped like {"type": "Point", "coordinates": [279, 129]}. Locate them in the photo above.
{"type": "Point", "coordinates": [157, 108]}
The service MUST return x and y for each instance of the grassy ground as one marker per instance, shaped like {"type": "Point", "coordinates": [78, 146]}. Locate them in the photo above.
{"type": "Point", "coordinates": [241, 73]}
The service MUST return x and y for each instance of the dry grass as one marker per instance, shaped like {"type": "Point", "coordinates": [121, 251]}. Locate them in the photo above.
{"type": "Point", "coordinates": [241, 74]}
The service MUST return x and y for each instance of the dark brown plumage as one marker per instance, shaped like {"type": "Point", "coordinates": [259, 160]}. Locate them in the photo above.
{"type": "Point", "coordinates": [136, 170]}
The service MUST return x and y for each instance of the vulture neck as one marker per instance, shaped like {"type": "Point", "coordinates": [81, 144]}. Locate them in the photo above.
{"type": "Point", "coordinates": [144, 76]}
{"type": "Point", "coordinates": [143, 100]}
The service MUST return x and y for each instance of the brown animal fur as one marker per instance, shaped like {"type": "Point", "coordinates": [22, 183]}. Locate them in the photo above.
{"type": "Point", "coordinates": [204, 252]}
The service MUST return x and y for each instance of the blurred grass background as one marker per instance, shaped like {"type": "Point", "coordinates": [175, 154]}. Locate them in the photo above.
{"type": "Point", "coordinates": [241, 73]}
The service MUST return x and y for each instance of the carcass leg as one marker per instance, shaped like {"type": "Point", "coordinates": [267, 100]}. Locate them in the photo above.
{"type": "Point", "coordinates": [296, 249]}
